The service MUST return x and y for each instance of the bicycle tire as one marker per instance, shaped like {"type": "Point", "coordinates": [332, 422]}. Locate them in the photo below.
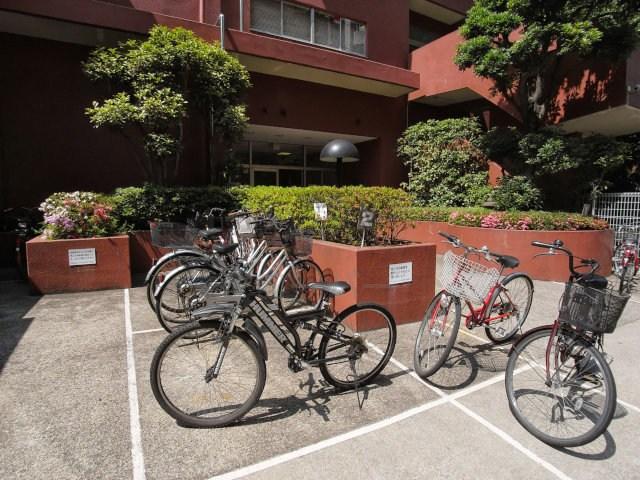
{"type": "Point", "coordinates": [443, 301]}
{"type": "Point", "coordinates": [166, 266]}
{"type": "Point", "coordinates": [624, 283]}
{"type": "Point", "coordinates": [182, 292]}
{"type": "Point", "coordinates": [290, 296]}
{"type": "Point", "coordinates": [505, 305]}
{"type": "Point", "coordinates": [171, 391]}
{"type": "Point", "coordinates": [591, 368]}
{"type": "Point", "coordinates": [371, 349]}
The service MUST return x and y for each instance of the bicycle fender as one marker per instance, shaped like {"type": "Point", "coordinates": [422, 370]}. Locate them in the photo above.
{"type": "Point", "coordinates": [154, 268]}
{"type": "Point", "coordinates": [254, 332]}
{"type": "Point", "coordinates": [526, 334]}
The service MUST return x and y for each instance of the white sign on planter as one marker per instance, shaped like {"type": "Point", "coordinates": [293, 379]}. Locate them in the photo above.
{"type": "Point", "coordinates": [320, 210]}
{"type": "Point", "coordinates": [82, 256]}
{"type": "Point", "coordinates": [400, 273]}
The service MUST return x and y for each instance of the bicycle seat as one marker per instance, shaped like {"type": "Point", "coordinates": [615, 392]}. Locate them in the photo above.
{"type": "Point", "coordinates": [225, 249]}
{"type": "Point", "coordinates": [211, 233]}
{"type": "Point", "coordinates": [507, 261]}
{"type": "Point", "coordinates": [332, 288]}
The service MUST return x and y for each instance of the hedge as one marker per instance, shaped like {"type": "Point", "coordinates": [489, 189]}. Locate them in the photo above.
{"type": "Point", "coordinates": [509, 220]}
{"type": "Point", "coordinates": [343, 205]}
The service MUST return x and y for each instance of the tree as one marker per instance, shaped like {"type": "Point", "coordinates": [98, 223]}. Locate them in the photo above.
{"type": "Point", "coordinates": [519, 44]}
{"type": "Point", "coordinates": [155, 84]}
{"type": "Point", "coordinates": [446, 167]}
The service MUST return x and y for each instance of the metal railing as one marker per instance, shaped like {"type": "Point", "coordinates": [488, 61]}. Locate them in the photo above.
{"type": "Point", "coordinates": [619, 209]}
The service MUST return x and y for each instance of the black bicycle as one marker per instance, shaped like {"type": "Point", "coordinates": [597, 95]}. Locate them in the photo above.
{"type": "Point", "coordinates": [558, 381]}
{"type": "Point", "coordinates": [212, 371]}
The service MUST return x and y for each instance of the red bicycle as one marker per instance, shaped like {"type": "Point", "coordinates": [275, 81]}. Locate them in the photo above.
{"type": "Point", "coordinates": [626, 262]}
{"type": "Point", "coordinates": [503, 304]}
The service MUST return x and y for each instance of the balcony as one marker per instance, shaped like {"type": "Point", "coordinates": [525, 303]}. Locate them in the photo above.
{"type": "Point", "coordinates": [93, 22]}
{"type": "Point", "coordinates": [596, 98]}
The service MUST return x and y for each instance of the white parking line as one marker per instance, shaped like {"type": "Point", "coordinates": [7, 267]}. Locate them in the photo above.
{"type": "Point", "coordinates": [137, 458]}
{"type": "Point", "coordinates": [628, 405]}
{"type": "Point", "coordinates": [501, 433]}
{"type": "Point", "coordinates": [151, 330]}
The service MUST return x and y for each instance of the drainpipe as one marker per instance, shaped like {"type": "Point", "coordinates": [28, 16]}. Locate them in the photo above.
{"type": "Point", "coordinates": [241, 7]}
{"type": "Point", "coordinates": [220, 22]}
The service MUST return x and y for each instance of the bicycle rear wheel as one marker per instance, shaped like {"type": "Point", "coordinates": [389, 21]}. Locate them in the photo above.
{"type": "Point", "coordinates": [351, 358]}
{"type": "Point", "coordinates": [575, 403]}
{"type": "Point", "coordinates": [292, 291]}
{"type": "Point", "coordinates": [165, 267]}
{"type": "Point", "coordinates": [437, 334]}
{"type": "Point", "coordinates": [182, 380]}
{"type": "Point", "coordinates": [184, 291]}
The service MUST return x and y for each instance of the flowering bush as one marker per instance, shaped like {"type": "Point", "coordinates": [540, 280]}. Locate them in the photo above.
{"type": "Point", "coordinates": [77, 215]}
{"type": "Point", "coordinates": [510, 220]}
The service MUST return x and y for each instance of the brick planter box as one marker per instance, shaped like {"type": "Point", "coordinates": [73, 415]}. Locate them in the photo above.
{"type": "Point", "coordinates": [143, 254]}
{"type": "Point", "coordinates": [48, 263]}
{"type": "Point", "coordinates": [596, 244]}
{"type": "Point", "coordinates": [366, 269]}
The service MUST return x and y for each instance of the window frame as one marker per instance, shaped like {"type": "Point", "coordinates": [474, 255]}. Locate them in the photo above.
{"type": "Point", "coordinates": [312, 13]}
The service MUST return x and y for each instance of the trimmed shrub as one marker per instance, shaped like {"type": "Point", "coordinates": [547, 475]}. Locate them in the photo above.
{"type": "Point", "coordinates": [134, 207]}
{"type": "Point", "coordinates": [517, 193]}
{"type": "Point", "coordinates": [343, 205]}
{"type": "Point", "coordinates": [509, 220]}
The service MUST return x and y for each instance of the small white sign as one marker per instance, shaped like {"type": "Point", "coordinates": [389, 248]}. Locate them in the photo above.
{"type": "Point", "coordinates": [82, 256]}
{"type": "Point", "coordinates": [320, 210]}
{"type": "Point", "coordinates": [400, 273]}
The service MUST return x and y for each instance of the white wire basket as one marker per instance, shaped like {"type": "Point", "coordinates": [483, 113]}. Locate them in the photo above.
{"type": "Point", "coordinates": [465, 278]}
{"type": "Point", "coordinates": [245, 226]}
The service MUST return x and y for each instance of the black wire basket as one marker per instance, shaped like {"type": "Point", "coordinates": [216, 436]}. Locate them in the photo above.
{"type": "Point", "coordinates": [590, 309]}
{"type": "Point", "coordinates": [173, 234]}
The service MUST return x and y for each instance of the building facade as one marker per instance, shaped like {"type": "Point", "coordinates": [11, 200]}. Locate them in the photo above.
{"type": "Point", "coordinates": [320, 69]}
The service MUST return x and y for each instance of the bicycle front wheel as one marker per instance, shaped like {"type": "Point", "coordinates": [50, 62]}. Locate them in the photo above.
{"type": "Point", "coordinates": [357, 346]}
{"type": "Point", "coordinates": [184, 291]}
{"type": "Point", "coordinates": [437, 334]}
{"type": "Point", "coordinates": [293, 292]}
{"type": "Point", "coordinates": [571, 404]}
{"type": "Point", "coordinates": [182, 376]}
{"type": "Point", "coordinates": [510, 304]}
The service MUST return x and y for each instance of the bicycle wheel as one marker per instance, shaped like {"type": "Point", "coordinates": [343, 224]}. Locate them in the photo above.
{"type": "Point", "coordinates": [437, 334]}
{"type": "Point", "coordinates": [625, 279]}
{"type": "Point", "coordinates": [182, 377]}
{"type": "Point", "coordinates": [292, 291]}
{"type": "Point", "coordinates": [165, 267]}
{"type": "Point", "coordinates": [510, 304]}
{"type": "Point", "coordinates": [184, 291]}
{"type": "Point", "coordinates": [576, 404]}
{"type": "Point", "coordinates": [350, 359]}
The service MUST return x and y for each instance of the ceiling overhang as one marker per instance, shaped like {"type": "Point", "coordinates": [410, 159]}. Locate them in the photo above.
{"type": "Point", "coordinates": [622, 120]}
{"type": "Point", "coordinates": [436, 11]}
{"type": "Point", "coordinates": [448, 98]}
{"type": "Point", "coordinates": [272, 134]}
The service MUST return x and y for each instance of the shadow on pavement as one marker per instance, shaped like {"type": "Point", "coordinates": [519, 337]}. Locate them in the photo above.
{"type": "Point", "coordinates": [15, 302]}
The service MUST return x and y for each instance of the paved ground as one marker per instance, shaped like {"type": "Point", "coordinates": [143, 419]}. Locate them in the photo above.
{"type": "Point", "coordinates": [76, 403]}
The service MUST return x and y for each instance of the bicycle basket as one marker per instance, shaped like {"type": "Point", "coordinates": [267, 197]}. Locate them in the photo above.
{"type": "Point", "coordinates": [302, 244]}
{"type": "Point", "coordinates": [591, 309]}
{"type": "Point", "coordinates": [172, 234]}
{"type": "Point", "coordinates": [465, 278]}
{"type": "Point", "coordinates": [245, 226]}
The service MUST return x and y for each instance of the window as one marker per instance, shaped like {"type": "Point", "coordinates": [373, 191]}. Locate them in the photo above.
{"type": "Point", "coordinates": [285, 19]}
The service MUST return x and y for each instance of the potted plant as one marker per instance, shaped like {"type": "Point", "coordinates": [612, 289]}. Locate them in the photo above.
{"type": "Point", "coordinates": [79, 248]}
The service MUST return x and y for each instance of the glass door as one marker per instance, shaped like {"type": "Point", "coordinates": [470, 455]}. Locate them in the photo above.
{"type": "Point", "coordinates": [264, 176]}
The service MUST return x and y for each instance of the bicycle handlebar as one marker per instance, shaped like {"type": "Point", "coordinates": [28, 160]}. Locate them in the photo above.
{"type": "Point", "coordinates": [455, 241]}
{"type": "Point", "coordinates": [559, 245]}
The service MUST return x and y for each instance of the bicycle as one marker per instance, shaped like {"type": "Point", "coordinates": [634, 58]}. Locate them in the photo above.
{"type": "Point", "coordinates": [558, 381]}
{"type": "Point", "coordinates": [626, 262]}
{"type": "Point", "coordinates": [190, 287]}
{"type": "Point", "coordinates": [504, 304]}
{"type": "Point", "coordinates": [212, 371]}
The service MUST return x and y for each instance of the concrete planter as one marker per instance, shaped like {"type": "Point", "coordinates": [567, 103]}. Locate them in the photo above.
{"type": "Point", "coordinates": [143, 253]}
{"type": "Point", "coordinates": [596, 244]}
{"type": "Point", "coordinates": [51, 266]}
{"type": "Point", "coordinates": [367, 270]}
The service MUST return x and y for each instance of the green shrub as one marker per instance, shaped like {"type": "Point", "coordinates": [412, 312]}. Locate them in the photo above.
{"type": "Point", "coordinates": [509, 220]}
{"type": "Point", "coordinates": [446, 167]}
{"type": "Point", "coordinates": [135, 206]}
{"type": "Point", "coordinates": [517, 193]}
{"type": "Point", "coordinates": [343, 205]}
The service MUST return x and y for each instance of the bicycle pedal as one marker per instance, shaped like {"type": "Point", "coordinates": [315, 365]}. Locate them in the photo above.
{"type": "Point", "coordinates": [295, 364]}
